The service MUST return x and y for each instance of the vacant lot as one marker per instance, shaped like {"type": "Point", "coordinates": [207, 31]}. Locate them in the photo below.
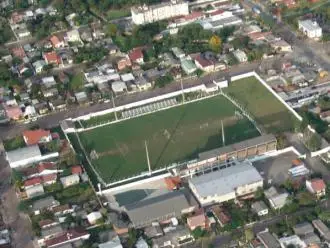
{"type": "Point", "coordinates": [267, 110]}
{"type": "Point", "coordinates": [172, 135]}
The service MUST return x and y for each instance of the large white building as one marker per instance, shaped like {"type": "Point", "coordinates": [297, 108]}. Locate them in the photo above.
{"type": "Point", "coordinates": [238, 180]}
{"type": "Point", "coordinates": [310, 28]}
{"type": "Point", "coordinates": [148, 14]}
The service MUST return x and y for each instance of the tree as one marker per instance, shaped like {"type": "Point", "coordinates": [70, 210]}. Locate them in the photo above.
{"type": "Point", "coordinates": [23, 206]}
{"type": "Point", "coordinates": [305, 199]}
{"type": "Point", "coordinates": [249, 235]}
{"type": "Point", "coordinates": [314, 142]}
{"type": "Point", "coordinates": [132, 237]}
{"type": "Point", "coordinates": [215, 43]}
{"type": "Point", "coordinates": [17, 178]}
{"type": "Point", "coordinates": [325, 216]}
{"type": "Point", "coordinates": [111, 29]}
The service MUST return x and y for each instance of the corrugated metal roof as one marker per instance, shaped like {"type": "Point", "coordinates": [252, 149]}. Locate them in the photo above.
{"type": "Point", "coordinates": [225, 180]}
{"type": "Point", "coordinates": [23, 153]}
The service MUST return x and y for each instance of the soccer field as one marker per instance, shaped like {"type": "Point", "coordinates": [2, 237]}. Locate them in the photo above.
{"type": "Point", "coordinates": [172, 135]}
{"type": "Point", "coordinates": [260, 102]}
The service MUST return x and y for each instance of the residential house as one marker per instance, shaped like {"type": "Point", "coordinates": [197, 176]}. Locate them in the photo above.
{"type": "Point", "coordinates": [221, 215]}
{"type": "Point", "coordinates": [277, 200]}
{"type": "Point", "coordinates": [160, 206]}
{"type": "Point", "coordinates": [302, 229]}
{"type": "Point", "coordinates": [52, 58]}
{"type": "Point", "coordinates": [18, 52]}
{"type": "Point", "coordinates": [70, 180]}
{"type": "Point", "coordinates": [49, 233]}
{"type": "Point", "coordinates": [118, 87]}
{"type": "Point", "coordinates": [153, 231]}
{"type": "Point", "coordinates": [58, 104]}
{"type": "Point", "coordinates": [33, 137]}
{"type": "Point", "coordinates": [204, 64]}
{"type": "Point", "coordinates": [198, 220]}
{"type": "Point", "coordinates": [241, 180]}
{"type": "Point", "coordinates": [322, 229]}
{"type": "Point", "coordinates": [178, 237]}
{"type": "Point", "coordinates": [14, 112]}
{"type": "Point", "coordinates": [178, 53]}
{"type": "Point", "coordinates": [73, 36]}
{"type": "Point", "coordinates": [49, 179]}
{"type": "Point", "coordinates": [123, 63]}
{"type": "Point", "coordinates": [57, 42]}
{"type": "Point", "coordinates": [113, 243]}
{"type": "Point", "coordinates": [50, 93]}
{"type": "Point", "coordinates": [47, 203]}
{"type": "Point", "coordinates": [45, 223]}
{"type": "Point", "coordinates": [16, 17]}
{"type": "Point", "coordinates": [76, 169]}
{"type": "Point", "coordinates": [310, 28]}
{"type": "Point", "coordinates": [32, 182]}
{"type": "Point", "coordinates": [39, 66]}
{"type": "Point", "coordinates": [62, 210]}
{"type": "Point", "coordinates": [81, 97]}
{"type": "Point", "coordinates": [136, 56]}
{"type": "Point", "coordinates": [69, 236]}
{"type": "Point", "coordinates": [93, 217]}
{"type": "Point", "coordinates": [316, 187]}
{"type": "Point", "coordinates": [188, 66]}
{"type": "Point", "coordinates": [292, 240]}
{"type": "Point", "coordinates": [268, 240]}
{"type": "Point", "coordinates": [260, 208]}
{"type": "Point", "coordinates": [240, 56]}
{"type": "Point", "coordinates": [281, 46]}
{"type": "Point", "coordinates": [142, 83]}
{"type": "Point", "coordinates": [34, 191]}
{"type": "Point", "coordinates": [325, 115]}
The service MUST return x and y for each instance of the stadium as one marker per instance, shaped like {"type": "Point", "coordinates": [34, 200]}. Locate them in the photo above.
{"type": "Point", "coordinates": [162, 135]}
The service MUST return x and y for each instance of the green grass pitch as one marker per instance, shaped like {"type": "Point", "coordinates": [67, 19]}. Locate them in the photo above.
{"type": "Point", "coordinates": [172, 135]}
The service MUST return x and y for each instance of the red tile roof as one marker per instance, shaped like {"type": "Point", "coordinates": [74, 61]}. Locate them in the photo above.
{"type": "Point", "coordinates": [33, 137]}
{"type": "Point", "coordinates": [45, 222]}
{"type": "Point", "coordinates": [318, 185]}
{"type": "Point", "coordinates": [196, 221]}
{"type": "Point", "coordinates": [32, 181]}
{"type": "Point", "coordinates": [18, 52]}
{"type": "Point", "coordinates": [49, 177]}
{"type": "Point", "coordinates": [66, 237]}
{"type": "Point", "coordinates": [217, 12]}
{"type": "Point", "coordinates": [52, 58]}
{"type": "Point", "coordinates": [77, 169]}
{"type": "Point", "coordinates": [55, 40]}
{"type": "Point", "coordinates": [46, 166]}
{"type": "Point", "coordinates": [172, 182]}
{"type": "Point", "coordinates": [203, 62]}
{"type": "Point", "coordinates": [297, 162]}
{"type": "Point", "coordinates": [135, 54]}
{"type": "Point", "coordinates": [61, 208]}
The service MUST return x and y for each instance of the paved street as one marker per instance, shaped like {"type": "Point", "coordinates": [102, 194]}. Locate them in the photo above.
{"type": "Point", "coordinates": [18, 222]}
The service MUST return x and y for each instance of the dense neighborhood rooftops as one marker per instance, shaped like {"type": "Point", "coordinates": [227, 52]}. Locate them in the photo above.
{"type": "Point", "coordinates": [52, 230]}
{"type": "Point", "coordinates": [44, 203]}
{"type": "Point", "coordinates": [303, 228]}
{"type": "Point", "coordinates": [66, 237]}
{"type": "Point", "coordinates": [268, 239]}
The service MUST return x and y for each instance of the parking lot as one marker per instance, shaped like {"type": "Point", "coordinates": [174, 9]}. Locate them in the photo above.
{"type": "Point", "coordinates": [276, 168]}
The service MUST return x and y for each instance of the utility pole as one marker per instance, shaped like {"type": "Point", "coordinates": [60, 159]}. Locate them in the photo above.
{"type": "Point", "coordinates": [148, 160]}
{"type": "Point", "coordinates": [183, 100]}
{"type": "Point", "coordinates": [114, 106]}
{"type": "Point", "coordinates": [223, 134]}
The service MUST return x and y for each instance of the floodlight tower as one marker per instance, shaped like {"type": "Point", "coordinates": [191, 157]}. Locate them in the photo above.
{"type": "Point", "coordinates": [148, 160]}
{"type": "Point", "coordinates": [223, 134]}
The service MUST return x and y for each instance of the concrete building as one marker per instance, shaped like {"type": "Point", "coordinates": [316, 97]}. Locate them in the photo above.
{"type": "Point", "coordinates": [70, 180]}
{"type": "Point", "coordinates": [93, 217]}
{"type": "Point", "coordinates": [23, 156]}
{"type": "Point", "coordinates": [160, 206]}
{"type": "Point", "coordinates": [268, 240]}
{"type": "Point", "coordinates": [260, 208]}
{"type": "Point", "coordinates": [147, 14]}
{"type": "Point", "coordinates": [240, 56]}
{"type": "Point", "coordinates": [277, 200]}
{"type": "Point", "coordinates": [34, 191]}
{"type": "Point", "coordinates": [226, 184]}
{"type": "Point", "coordinates": [292, 240]}
{"type": "Point", "coordinates": [310, 28]}
{"type": "Point", "coordinates": [322, 229]}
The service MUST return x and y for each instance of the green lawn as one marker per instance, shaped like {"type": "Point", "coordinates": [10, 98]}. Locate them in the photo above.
{"type": "Point", "coordinates": [117, 13]}
{"type": "Point", "coordinates": [261, 103]}
{"type": "Point", "coordinates": [172, 135]}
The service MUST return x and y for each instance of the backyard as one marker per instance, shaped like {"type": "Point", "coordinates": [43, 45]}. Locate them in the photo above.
{"type": "Point", "coordinates": [172, 135]}
{"type": "Point", "coordinates": [266, 109]}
